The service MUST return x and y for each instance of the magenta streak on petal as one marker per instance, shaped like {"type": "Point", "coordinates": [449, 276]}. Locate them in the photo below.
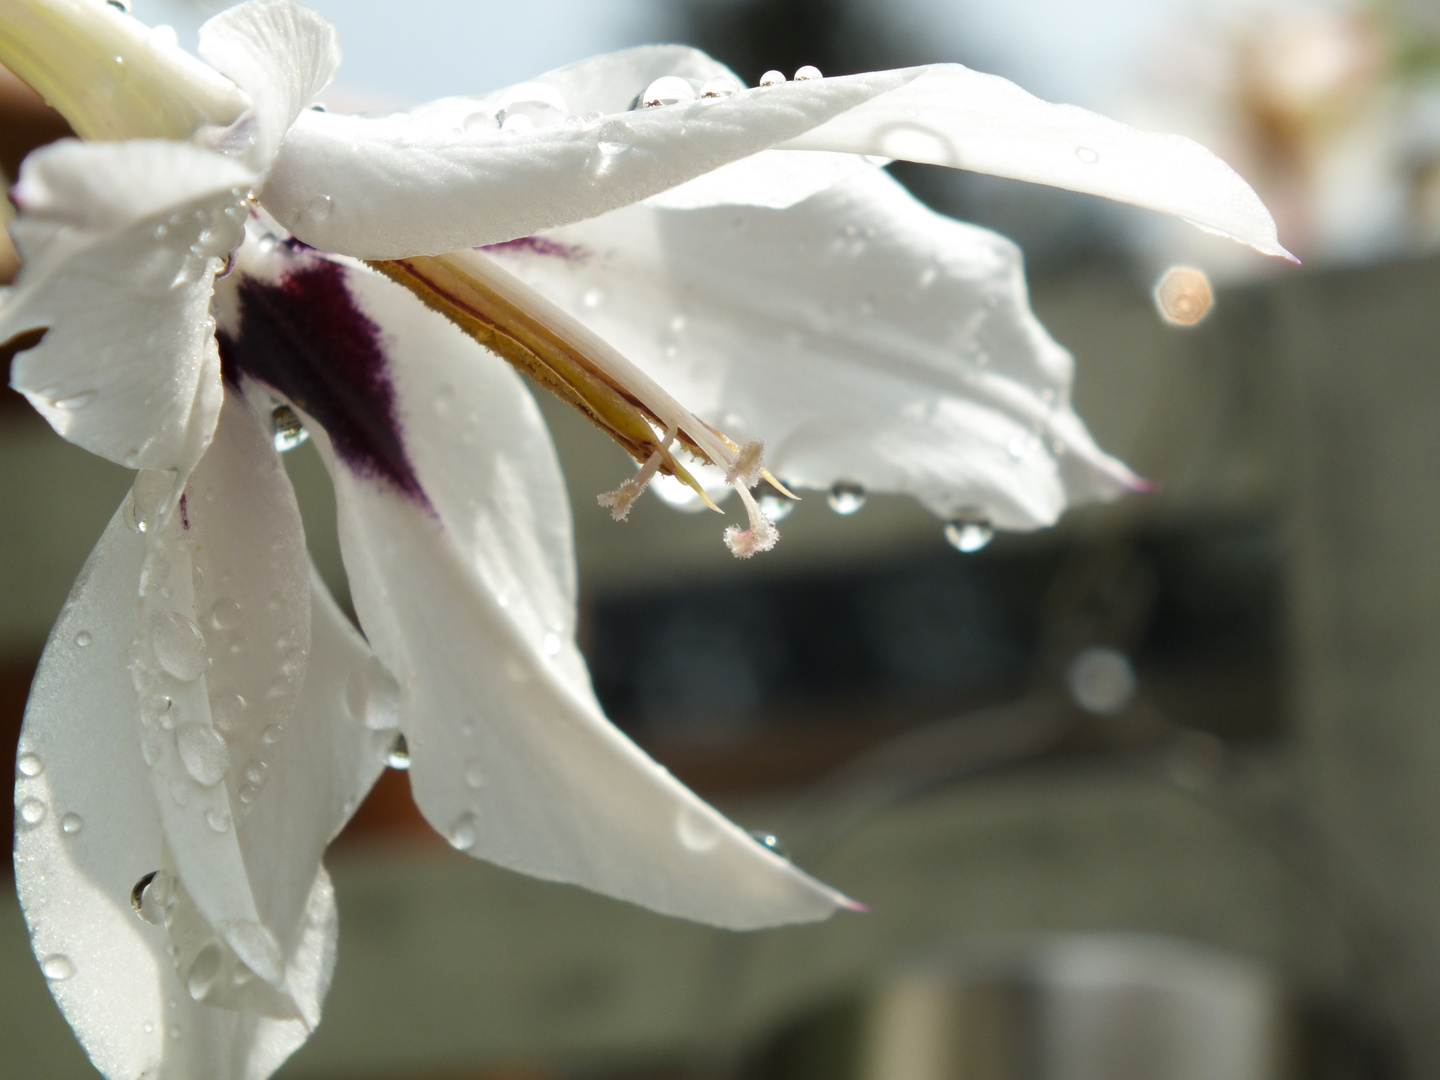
{"type": "Point", "coordinates": [184, 514]}
{"type": "Point", "coordinates": [305, 337]}
{"type": "Point", "coordinates": [538, 245]}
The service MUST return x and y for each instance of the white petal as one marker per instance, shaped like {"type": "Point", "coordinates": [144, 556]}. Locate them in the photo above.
{"type": "Point", "coordinates": [465, 588]}
{"type": "Point", "coordinates": [278, 52]}
{"type": "Point", "coordinates": [118, 241]}
{"type": "Point", "coordinates": [772, 178]}
{"type": "Point", "coordinates": [96, 832]}
{"type": "Point", "coordinates": [950, 115]}
{"type": "Point", "coordinates": [427, 182]}
{"type": "Point", "coordinates": [860, 335]}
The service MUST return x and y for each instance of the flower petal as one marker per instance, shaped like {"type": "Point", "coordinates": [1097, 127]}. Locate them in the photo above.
{"type": "Point", "coordinates": [88, 831]}
{"type": "Point", "coordinates": [466, 592]}
{"type": "Point", "coordinates": [119, 243]}
{"type": "Point", "coordinates": [282, 55]}
{"type": "Point", "coordinates": [862, 336]}
{"type": "Point", "coordinates": [950, 115]}
{"type": "Point", "coordinates": [434, 180]}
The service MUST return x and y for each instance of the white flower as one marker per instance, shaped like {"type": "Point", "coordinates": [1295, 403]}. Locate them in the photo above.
{"type": "Point", "coordinates": [204, 719]}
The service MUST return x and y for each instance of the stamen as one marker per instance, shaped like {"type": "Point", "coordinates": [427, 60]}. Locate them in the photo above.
{"type": "Point", "coordinates": [760, 536]}
{"type": "Point", "coordinates": [622, 498]}
{"type": "Point", "coordinates": [748, 466]}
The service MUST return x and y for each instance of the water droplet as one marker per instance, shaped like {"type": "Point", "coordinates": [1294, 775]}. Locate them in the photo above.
{"type": "Point", "coordinates": [174, 1031]}
{"type": "Point", "coordinates": [71, 824]}
{"type": "Point", "coordinates": [1101, 680]}
{"type": "Point", "coordinates": [152, 748]}
{"type": "Point", "coordinates": [255, 772]}
{"type": "Point", "coordinates": [474, 775]}
{"type": "Point", "coordinates": [551, 644]}
{"type": "Point", "coordinates": [218, 818]}
{"type": "Point", "coordinates": [615, 137]}
{"type": "Point", "coordinates": [204, 970]}
{"type": "Point", "coordinates": [32, 812]}
{"type": "Point", "coordinates": [289, 432]}
{"type": "Point", "coordinates": [256, 947]}
{"type": "Point", "coordinates": [74, 401]}
{"type": "Point", "coordinates": [120, 5]}
{"type": "Point", "coordinates": [695, 831]}
{"type": "Point", "coordinates": [666, 90]}
{"type": "Point", "coordinates": [158, 708]}
{"type": "Point", "coordinates": [225, 615]}
{"type": "Point", "coordinates": [149, 496]}
{"type": "Point", "coordinates": [1184, 296]}
{"type": "Point", "coordinates": [846, 497]}
{"type": "Point", "coordinates": [398, 754]}
{"type": "Point", "coordinates": [247, 794]}
{"type": "Point", "coordinates": [808, 72]}
{"type": "Point", "coordinates": [272, 734]}
{"type": "Point", "coordinates": [528, 105]}
{"type": "Point", "coordinates": [29, 765]}
{"type": "Point", "coordinates": [1087, 155]}
{"type": "Point", "coordinates": [149, 1027]}
{"type": "Point", "coordinates": [149, 895]}
{"type": "Point", "coordinates": [775, 507]}
{"type": "Point", "coordinates": [179, 645]}
{"type": "Point", "coordinates": [464, 832]}
{"type": "Point", "coordinates": [203, 753]}
{"type": "Point", "coordinates": [772, 78]}
{"type": "Point", "coordinates": [83, 639]}
{"type": "Point", "coordinates": [372, 696]}
{"type": "Point", "coordinates": [722, 86]}
{"type": "Point", "coordinates": [479, 121]}
{"type": "Point", "coordinates": [769, 841]}
{"type": "Point", "coordinates": [969, 532]}
{"type": "Point", "coordinates": [319, 207]}
{"type": "Point", "coordinates": [57, 967]}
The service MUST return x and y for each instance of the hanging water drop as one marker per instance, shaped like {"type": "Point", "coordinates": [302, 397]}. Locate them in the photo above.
{"type": "Point", "coordinates": [289, 432]}
{"type": "Point", "coordinates": [179, 645]}
{"type": "Point", "coordinates": [772, 78]}
{"type": "Point", "coordinates": [808, 72]}
{"type": "Point", "coordinates": [57, 967]}
{"type": "Point", "coordinates": [464, 832]}
{"type": "Point", "coordinates": [147, 898]}
{"type": "Point", "coordinates": [200, 979]}
{"type": "Point", "coordinates": [666, 90]}
{"type": "Point", "coordinates": [969, 532]}
{"type": "Point", "coordinates": [846, 497]}
{"type": "Point", "coordinates": [149, 498]}
{"type": "Point", "coordinates": [769, 841]}
{"type": "Point", "coordinates": [775, 507]}
{"type": "Point", "coordinates": [29, 765]}
{"type": "Point", "coordinates": [398, 755]}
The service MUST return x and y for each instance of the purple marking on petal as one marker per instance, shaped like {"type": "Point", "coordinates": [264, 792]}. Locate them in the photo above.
{"type": "Point", "coordinates": [184, 515]}
{"type": "Point", "coordinates": [539, 245]}
{"type": "Point", "coordinates": [305, 337]}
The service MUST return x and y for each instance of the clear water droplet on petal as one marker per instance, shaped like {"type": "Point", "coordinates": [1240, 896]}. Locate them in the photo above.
{"type": "Point", "coordinates": [808, 72]}
{"type": "Point", "coordinates": [203, 753]}
{"type": "Point", "coordinates": [696, 832]}
{"type": "Point", "coordinates": [1087, 155]}
{"type": "Point", "coordinates": [722, 86]}
{"type": "Point", "coordinates": [397, 756]}
{"type": "Point", "coordinates": [667, 90]}
{"type": "Point", "coordinates": [769, 841]}
{"type": "Point", "coordinates": [772, 78]}
{"type": "Point", "coordinates": [969, 532]}
{"type": "Point", "coordinates": [179, 645]}
{"type": "Point", "coordinates": [71, 824]}
{"type": "Point", "coordinates": [57, 967]}
{"type": "Point", "coordinates": [289, 432]}
{"type": "Point", "coordinates": [464, 832]}
{"type": "Point", "coordinates": [29, 765]}
{"type": "Point", "coordinates": [218, 818]}
{"type": "Point", "coordinates": [31, 811]}
{"type": "Point", "coordinates": [83, 639]}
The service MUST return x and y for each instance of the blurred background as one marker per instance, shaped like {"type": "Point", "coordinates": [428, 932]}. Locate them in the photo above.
{"type": "Point", "coordinates": [1153, 794]}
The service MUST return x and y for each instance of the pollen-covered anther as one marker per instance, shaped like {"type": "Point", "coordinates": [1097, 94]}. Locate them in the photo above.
{"type": "Point", "coordinates": [760, 536]}
{"type": "Point", "coordinates": [748, 466]}
{"type": "Point", "coordinates": [623, 498]}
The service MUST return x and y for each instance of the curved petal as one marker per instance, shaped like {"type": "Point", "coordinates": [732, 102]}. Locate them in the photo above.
{"type": "Point", "coordinates": [279, 53]}
{"type": "Point", "coordinates": [862, 336]}
{"type": "Point", "coordinates": [437, 180]}
{"type": "Point", "coordinates": [464, 584]}
{"type": "Point", "coordinates": [950, 115]}
{"type": "Point", "coordinates": [119, 244]}
{"type": "Point", "coordinates": [88, 831]}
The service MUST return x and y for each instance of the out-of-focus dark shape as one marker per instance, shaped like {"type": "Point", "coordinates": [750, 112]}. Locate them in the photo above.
{"type": "Point", "coordinates": [25, 123]}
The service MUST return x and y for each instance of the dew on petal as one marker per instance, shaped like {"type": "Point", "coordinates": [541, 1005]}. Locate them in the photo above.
{"type": "Point", "coordinates": [179, 645]}
{"type": "Point", "coordinates": [666, 90]}
{"type": "Point", "coordinates": [1087, 155]}
{"type": "Point", "coordinates": [464, 832]}
{"type": "Point", "coordinates": [272, 734]}
{"type": "Point", "coordinates": [722, 86]}
{"type": "Point", "coordinates": [149, 496]}
{"type": "Point", "coordinates": [31, 811]}
{"type": "Point", "coordinates": [57, 967]}
{"type": "Point", "coordinates": [226, 708]}
{"type": "Point", "coordinates": [615, 137]}
{"type": "Point", "coordinates": [772, 78]}
{"type": "Point", "coordinates": [372, 696]}
{"type": "Point", "coordinates": [696, 832]}
{"type": "Point", "coordinates": [808, 72]}
{"type": "Point", "coordinates": [218, 818]}
{"type": "Point", "coordinates": [203, 753]}
{"type": "Point", "coordinates": [846, 497]}
{"type": "Point", "coordinates": [71, 824]}
{"type": "Point", "coordinates": [225, 615]}
{"type": "Point", "coordinates": [83, 639]}
{"type": "Point", "coordinates": [74, 401]}
{"type": "Point", "coordinates": [29, 765]}
{"type": "Point", "coordinates": [474, 775]}
{"type": "Point", "coordinates": [149, 895]}
{"type": "Point", "coordinates": [534, 104]}
{"type": "Point", "coordinates": [969, 532]}
{"type": "Point", "coordinates": [551, 644]}
{"type": "Point", "coordinates": [204, 970]}
{"type": "Point", "coordinates": [397, 753]}
{"type": "Point", "coordinates": [769, 841]}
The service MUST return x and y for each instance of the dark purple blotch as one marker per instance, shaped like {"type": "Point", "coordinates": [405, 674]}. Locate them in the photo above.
{"type": "Point", "coordinates": [305, 337]}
